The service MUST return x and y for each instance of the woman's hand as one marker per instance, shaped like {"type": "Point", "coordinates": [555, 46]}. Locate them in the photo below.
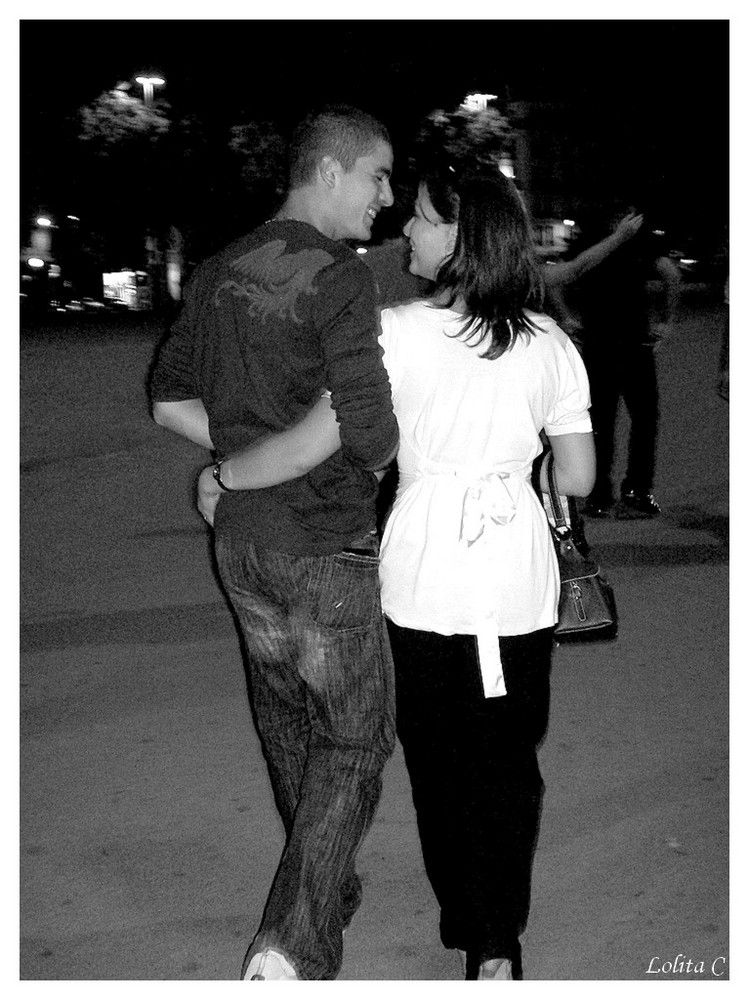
{"type": "Point", "coordinates": [208, 493]}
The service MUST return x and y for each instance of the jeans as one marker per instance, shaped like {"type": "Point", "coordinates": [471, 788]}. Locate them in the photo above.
{"type": "Point", "coordinates": [321, 686]}
{"type": "Point", "coordinates": [476, 784]}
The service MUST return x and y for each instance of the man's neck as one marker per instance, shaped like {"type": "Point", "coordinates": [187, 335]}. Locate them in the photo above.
{"type": "Point", "coordinates": [302, 208]}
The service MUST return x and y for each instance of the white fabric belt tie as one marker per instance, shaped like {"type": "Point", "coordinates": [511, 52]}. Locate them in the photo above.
{"type": "Point", "coordinates": [486, 501]}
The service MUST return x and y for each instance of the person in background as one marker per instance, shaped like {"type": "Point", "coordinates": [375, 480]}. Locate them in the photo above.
{"type": "Point", "coordinates": [470, 581]}
{"type": "Point", "coordinates": [564, 272]}
{"type": "Point", "coordinates": [620, 333]}
{"type": "Point", "coordinates": [280, 317]}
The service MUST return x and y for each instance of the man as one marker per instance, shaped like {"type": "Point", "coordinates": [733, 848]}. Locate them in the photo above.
{"type": "Point", "coordinates": [563, 272]}
{"type": "Point", "coordinates": [618, 342]}
{"type": "Point", "coordinates": [278, 318]}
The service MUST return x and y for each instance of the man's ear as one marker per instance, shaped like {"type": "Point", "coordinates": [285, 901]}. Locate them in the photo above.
{"type": "Point", "coordinates": [329, 170]}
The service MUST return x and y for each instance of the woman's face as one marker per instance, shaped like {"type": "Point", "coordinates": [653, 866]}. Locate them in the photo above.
{"type": "Point", "coordinates": [432, 240]}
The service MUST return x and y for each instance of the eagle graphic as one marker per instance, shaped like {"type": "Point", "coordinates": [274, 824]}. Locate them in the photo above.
{"type": "Point", "coordinates": [271, 281]}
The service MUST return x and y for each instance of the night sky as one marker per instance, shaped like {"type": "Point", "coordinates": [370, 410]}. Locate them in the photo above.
{"type": "Point", "coordinates": [662, 86]}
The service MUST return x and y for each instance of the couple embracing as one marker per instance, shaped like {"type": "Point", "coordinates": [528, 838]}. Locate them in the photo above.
{"type": "Point", "coordinates": [281, 365]}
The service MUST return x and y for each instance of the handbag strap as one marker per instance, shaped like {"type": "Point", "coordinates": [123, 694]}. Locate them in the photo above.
{"type": "Point", "coordinates": [556, 504]}
{"type": "Point", "coordinates": [575, 525]}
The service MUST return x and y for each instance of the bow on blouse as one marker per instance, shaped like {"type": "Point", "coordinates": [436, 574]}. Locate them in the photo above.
{"type": "Point", "coordinates": [488, 500]}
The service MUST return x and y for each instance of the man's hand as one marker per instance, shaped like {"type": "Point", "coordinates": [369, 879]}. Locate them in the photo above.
{"type": "Point", "coordinates": [209, 492]}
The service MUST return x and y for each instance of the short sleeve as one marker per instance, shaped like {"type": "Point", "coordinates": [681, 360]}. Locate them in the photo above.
{"type": "Point", "coordinates": [569, 413]}
{"type": "Point", "coordinates": [389, 343]}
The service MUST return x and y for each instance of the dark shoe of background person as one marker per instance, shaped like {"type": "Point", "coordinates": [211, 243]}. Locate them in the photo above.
{"type": "Point", "coordinates": [597, 506]}
{"type": "Point", "coordinates": [637, 505]}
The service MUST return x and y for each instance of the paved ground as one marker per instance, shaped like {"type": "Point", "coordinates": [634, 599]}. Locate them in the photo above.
{"type": "Point", "coordinates": [149, 837]}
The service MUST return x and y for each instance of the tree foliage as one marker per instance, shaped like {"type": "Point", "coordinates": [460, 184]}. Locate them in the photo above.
{"type": "Point", "coordinates": [464, 138]}
{"type": "Point", "coordinates": [115, 118]}
{"type": "Point", "coordinates": [260, 151]}
{"type": "Point", "coordinates": [119, 147]}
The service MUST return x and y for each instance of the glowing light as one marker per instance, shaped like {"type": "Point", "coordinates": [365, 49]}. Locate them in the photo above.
{"type": "Point", "coordinates": [477, 102]}
{"type": "Point", "coordinates": [568, 222]}
{"type": "Point", "coordinates": [148, 83]}
{"type": "Point", "coordinates": [43, 221]}
{"type": "Point", "coordinates": [361, 249]}
{"type": "Point", "coordinates": [506, 166]}
{"type": "Point", "coordinates": [35, 262]}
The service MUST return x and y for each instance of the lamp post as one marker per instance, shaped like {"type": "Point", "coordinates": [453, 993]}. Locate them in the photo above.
{"type": "Point", "coordinates": [148, 83]}
{"type": "Point", "coordinates": [153, 252]}
{"type": "Point", "coordinates": [41, 236]}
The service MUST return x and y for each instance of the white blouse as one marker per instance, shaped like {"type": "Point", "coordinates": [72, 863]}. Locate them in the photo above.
{"type": "Point", "coordinates": [466, 548]}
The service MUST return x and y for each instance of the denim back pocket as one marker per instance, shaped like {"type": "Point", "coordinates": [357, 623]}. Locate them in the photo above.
{"type": "Point", "coordinates": [344, 593]}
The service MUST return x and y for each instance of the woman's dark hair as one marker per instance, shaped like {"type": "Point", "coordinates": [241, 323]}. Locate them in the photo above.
{"type": "Point", "coordinates": [492, 268]}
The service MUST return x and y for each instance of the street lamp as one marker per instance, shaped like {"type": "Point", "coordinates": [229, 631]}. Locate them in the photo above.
{"type": "Point", "coordinates": [477, 102]}
{"type": "Point", "coordinates": [148, 83]}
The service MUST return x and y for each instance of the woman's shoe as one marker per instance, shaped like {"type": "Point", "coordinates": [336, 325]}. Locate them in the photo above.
{"type": "Point", "coordinates": [491, 968]}
{"type": "Point", "coordinates": [495, 968]}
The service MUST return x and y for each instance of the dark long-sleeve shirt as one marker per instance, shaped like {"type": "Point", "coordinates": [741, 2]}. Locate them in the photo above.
{"type": "Point", "coordinates": [269, 323]}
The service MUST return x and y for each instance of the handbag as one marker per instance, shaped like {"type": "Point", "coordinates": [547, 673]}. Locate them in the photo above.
{"type": "Point", "coordinates": [587, 608]}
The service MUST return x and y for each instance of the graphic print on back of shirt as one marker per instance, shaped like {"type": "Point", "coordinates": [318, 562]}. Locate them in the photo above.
{"type": "Point", "coordinates": [271, 281]}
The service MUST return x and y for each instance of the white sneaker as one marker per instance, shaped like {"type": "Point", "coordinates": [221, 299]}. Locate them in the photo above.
{"type": "Point", "coordinates": [269, 964]}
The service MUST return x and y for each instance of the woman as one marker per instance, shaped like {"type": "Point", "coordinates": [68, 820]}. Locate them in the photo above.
{"type": "Point", "coordinates": [469, 578]}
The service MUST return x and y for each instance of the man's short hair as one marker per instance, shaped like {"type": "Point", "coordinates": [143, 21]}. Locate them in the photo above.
{"type": "Point", "coordinates": [340, 131]}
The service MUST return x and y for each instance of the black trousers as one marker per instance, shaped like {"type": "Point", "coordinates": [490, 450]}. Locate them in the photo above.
{"type": "Point", "coordinates": [476, 785]}
{"type": "Point", "coordinates": [629, 373]}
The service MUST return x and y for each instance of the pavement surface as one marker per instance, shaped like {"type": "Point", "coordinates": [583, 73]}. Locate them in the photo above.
{"type": "Point", "coordinates": [149, 838]}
